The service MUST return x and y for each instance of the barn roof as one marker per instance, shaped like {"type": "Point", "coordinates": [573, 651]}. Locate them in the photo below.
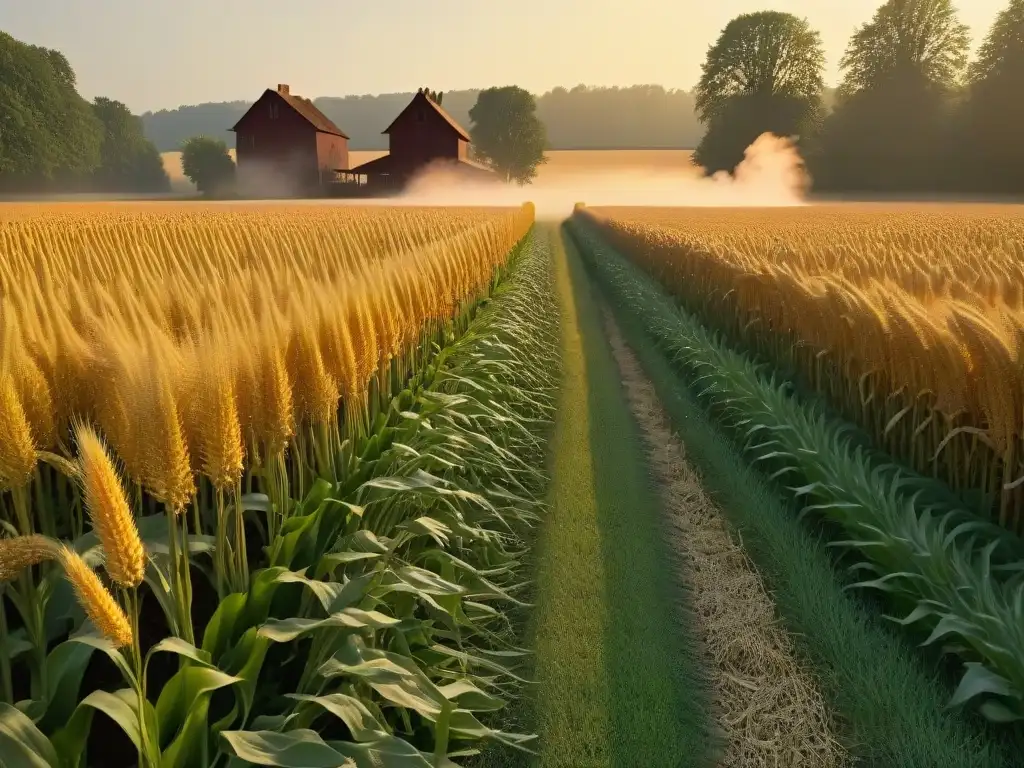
{"type": "Point", "coordinates": [421, 100]}
{"type": "Point", "coordinates": [380, 164]}
{"type": "Point", "coordinates": [384, 163]}
{"type": "Point", "coordinates": [306, 109]}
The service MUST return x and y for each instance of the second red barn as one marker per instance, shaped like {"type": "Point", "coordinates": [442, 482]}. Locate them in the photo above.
{"type": "Point", "coordinates": [422, 135]}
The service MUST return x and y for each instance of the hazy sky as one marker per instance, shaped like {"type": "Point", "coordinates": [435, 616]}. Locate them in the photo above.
{"type": "Point", "coordinates": [154, 54]}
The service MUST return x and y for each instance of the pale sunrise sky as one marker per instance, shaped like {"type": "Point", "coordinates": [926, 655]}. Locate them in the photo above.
{"type": "Point", "coordinates": [154, 54]}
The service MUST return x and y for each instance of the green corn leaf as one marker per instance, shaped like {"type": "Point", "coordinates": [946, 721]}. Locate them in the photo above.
{"type": "Point", "coordinates": [101, 643]}
{"type": "Point", "coordinates": [360, 721]}
{"type": "Point", "coordinates": [997, 712]}
{"type": "Point", "coordinates": [388, 752]}
{"type": "Point", "coordinates": [301, 748]}
{"type": "Point", "coordinates": [65, 667]}
{"type": "Point", "coordinates": [123, 708]}
{"type": "Point", "coordinates": [186, 690]}
{"type": "Point", "coordinates": [22, 744]}
{"type": "Point", "coordinates": [221, 626]}
{"type": "Point", "coordinates": [978, 680]}
{"type": "Point", "coordinates": [349, 619]}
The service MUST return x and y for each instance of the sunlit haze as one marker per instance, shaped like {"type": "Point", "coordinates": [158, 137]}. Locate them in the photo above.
{"type": "Point", "coordinates": [155, 54]}
{"type": "Point", "coordinates": [771, 175]}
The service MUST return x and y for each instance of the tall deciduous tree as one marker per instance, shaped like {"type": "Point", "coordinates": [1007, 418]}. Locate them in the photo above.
{"type": "Point", "coordinates": [764, 73]}
{"type": "Point", "coordinates": [889, 130]}
{"type": "Point", "coordinates": [989, 144]}
{"type": "Point", "coordinates": [73, 126]}
{"type": "Point", "coordinates": [923, 37]}
{"type": "Point", "coordinates": [128, 161]}
{"type": "Point", "coordinates": [207, 163]}
{"type": "Point", "coordinates": [48, 134]}
{"type": "Point", "coordinates": [506, 133]}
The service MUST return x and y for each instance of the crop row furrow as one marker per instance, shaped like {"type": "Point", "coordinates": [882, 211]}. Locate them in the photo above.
{"type": "Point", "coordinates": [933, 565]}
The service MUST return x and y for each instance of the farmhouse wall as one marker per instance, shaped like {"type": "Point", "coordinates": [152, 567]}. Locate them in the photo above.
{"type": "Point", "coordinates": [332, 154]}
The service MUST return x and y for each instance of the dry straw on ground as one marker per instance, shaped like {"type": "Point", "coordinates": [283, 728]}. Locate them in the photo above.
{"type": "Point", "coordinates": [767, 703]}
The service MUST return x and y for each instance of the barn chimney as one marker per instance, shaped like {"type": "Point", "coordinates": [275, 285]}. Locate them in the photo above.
{"type": "Point", "coordinates": [282, 89]}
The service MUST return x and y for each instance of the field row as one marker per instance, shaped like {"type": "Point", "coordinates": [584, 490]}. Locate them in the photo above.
{"type": "Point", "coordinates": [260, 483]}
{"type": "Point", "coordinates": [911, 323]}
{"type": "Point", "coordinates": [952, 578]}
{"type": "Point", "coordinates": [340, 486]}
{"type": "Point", "coordinates": [230, 330]}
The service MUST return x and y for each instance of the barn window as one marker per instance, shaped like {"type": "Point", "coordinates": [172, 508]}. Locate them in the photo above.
{"type": "Point", "coordinates": [252, 141]}
{"type": "Point", "coordinates": [420, 116]}
{"type": "Point", "coordinates": [274, 110]}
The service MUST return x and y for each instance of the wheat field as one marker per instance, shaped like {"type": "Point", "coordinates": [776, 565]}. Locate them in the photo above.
{"type": "Point", "coordinates": [909, 317]}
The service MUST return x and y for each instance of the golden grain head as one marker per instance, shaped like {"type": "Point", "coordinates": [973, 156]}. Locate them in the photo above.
{"type": "Point", "coordinates": [111, 302]}
{"type": "Point", "coordinates": [108, 509]}
{"type": "Point", "coordinates": [21, 552]}
{"type": "Point", "coordinates": [275, 424]}
{"type": "Point", "coordinates": [99, 605]}
{"type": "Point", "coordinates": [17, 448]}
{"type": "Point", "coordinates": [878, 265]}
{"type": "Point", "coordinates": [166, 468]}
{"type": "Point", "coordinates": [221, 450]}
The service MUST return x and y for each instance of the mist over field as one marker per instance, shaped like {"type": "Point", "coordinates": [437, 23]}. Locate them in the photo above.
{"type": "Point", "coordinates": [771, 174]}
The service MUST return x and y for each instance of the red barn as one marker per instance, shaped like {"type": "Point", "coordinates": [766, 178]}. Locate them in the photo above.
{"type": "Point", "coordinates": [286, 146]}
{"type": "Point", "coordinates": [423, 134]}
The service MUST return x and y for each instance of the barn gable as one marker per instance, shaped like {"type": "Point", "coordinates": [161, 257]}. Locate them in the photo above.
{"type": "Point", "coordinates": [304, 108]}
{"type": "Point", "coordinates": [423, 108]}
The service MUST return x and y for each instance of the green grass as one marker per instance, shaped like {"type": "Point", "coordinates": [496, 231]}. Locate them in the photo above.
{"type": "Point", "coordinates": [618, 683]}
{"type": "Point", "coordinates": [891, 707]}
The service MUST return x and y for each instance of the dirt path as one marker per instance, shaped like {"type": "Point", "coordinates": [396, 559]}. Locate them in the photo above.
{"type": "Point", "coordinates": [767, 704]}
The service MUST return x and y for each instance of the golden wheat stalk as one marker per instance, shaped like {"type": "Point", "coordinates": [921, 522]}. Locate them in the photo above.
{"type": "Point", "coordinates": [105, 309]}
{"type": "Point", "coordinates": [17, 448]}
{"type": "Point", "coordinates": [21, 552]}
{"type": "Point", "coordinates": [99, 605]}
{"type": "Point", "coordinates": [108, 509]}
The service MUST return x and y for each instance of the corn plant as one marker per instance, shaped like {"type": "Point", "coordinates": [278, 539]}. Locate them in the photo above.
{"type": "Point", "coordinates": [355, 563]}
{"type": "Point", "coordinates": [958, 576]}
{"type": "Point", "coordinates": [908, 323]}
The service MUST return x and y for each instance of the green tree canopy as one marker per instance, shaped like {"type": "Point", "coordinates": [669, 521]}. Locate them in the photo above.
{"type": "Point", "coordinates": [128, 161]}
{"type": "Point", "coordinates": [208, 164]}
{"type": "Point", "coordinates": [764, 73]}
{"type": "Point", "coordinates": [1002, 51]}
{"type": "Point", "coordinates": [506, 133]}
{"type": "Point", "coordinates": [921, 36]}
{"type": "Point", "coordinates": [768, 52]}
{"type": "Point", "coordinates": [891, 126]}
{"type": "Point", "coordinates": [988, 145]}
{"type": "Point", "coordinates": [49, 136]}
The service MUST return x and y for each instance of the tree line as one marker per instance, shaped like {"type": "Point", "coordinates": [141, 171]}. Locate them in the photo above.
{"type": "Point", "coordinates": [583, 117]}
{"type": "Point", "coordinates": [911, 113]}
{"type": "Point", "coordinates": [51, 139]}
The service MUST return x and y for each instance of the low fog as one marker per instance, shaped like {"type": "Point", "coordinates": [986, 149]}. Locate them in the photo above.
{"type": "Point", "coordinates": [771, 174]}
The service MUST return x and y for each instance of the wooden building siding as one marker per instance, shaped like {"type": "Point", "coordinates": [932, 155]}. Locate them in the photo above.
{"type": "Point", "coordinates": [286, 146]}
{"type": "Point", "coordinates": [422, 134]}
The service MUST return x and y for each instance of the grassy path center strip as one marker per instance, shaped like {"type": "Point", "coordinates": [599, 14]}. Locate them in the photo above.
{"type": "Point", "coordinates": [616, 678]}
{"type": "Point", "coordinates": [767, 703]}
